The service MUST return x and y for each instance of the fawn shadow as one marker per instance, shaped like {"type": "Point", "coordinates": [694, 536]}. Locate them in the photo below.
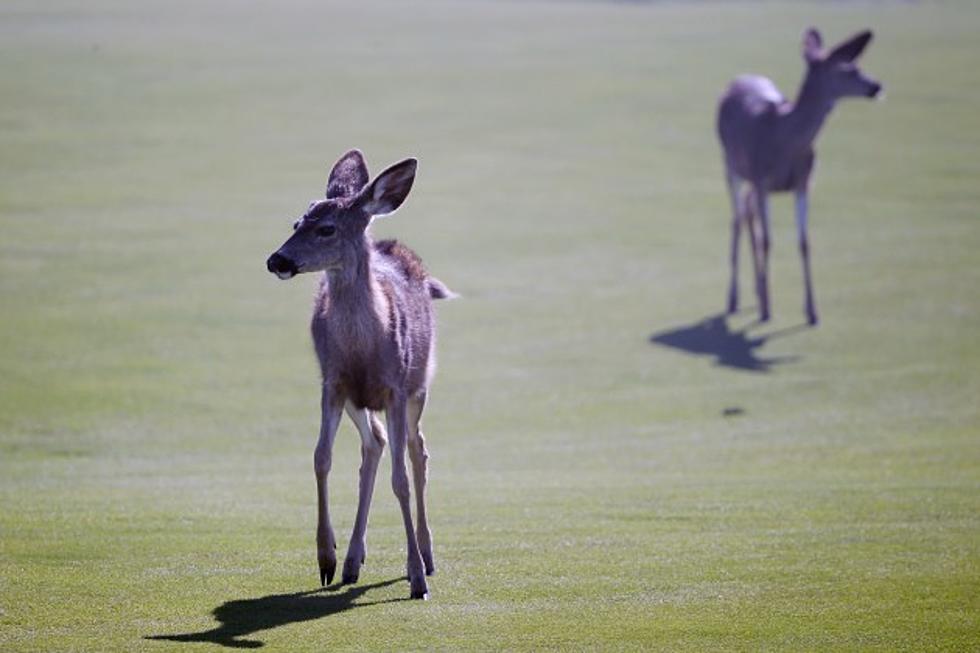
{"type": "Point", "coordinates": [712, 336]}
{"type": "Point", "coordinates": [247, 616]}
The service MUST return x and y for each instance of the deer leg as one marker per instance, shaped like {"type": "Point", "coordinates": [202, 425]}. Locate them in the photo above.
{"type": "Point", "coordinates": [762, 213]}
{"type": "Point", "coordinates": [373, 441]}
{"type": "Point", "coordinates": [733, 185]}
{"type": "Point", "coordinates": [398, 436]}
{"type": "Point", "coordinates": [420, 474]}
{"type": "Point", "coordinates": [748, 215]}
{"type": "Point", "coordinates": [801, 226]}
{"type": "Point", "coordinates": [331, 408]}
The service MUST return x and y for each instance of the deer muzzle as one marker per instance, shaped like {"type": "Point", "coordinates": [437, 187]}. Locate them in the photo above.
{"type": "Point", "coordinates": [282, 267]}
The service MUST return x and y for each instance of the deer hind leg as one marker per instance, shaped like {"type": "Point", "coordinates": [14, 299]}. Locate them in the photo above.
{"type": "Point", "coordinates": [747, 208]}
{"type": "Point", "coordinates": [398, 438]}
{"type": "Point", "coordinates": [420, 474]}
{"type": "Point", "coordinates": [373, 440]}
{"type": "Point", "coordinates": [331, 409]}
{"type": "Point", "coordinates": [737, 217]}
{"type": "Point", "coordinates": [761, 206]}
{"type": "Point", "coordinates": [802, 208]}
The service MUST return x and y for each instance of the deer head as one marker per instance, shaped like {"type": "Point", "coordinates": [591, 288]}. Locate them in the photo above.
{"type": "Point", "coordinates": [331, 235]}
{"type": "Point", "coordinates": [834, 73]}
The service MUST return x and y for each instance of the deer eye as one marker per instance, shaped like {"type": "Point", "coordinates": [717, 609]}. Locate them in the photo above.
{"type": "Point", "coordinates": [326, 231]}
{"type": "Point", "coordinates": [296, 225]}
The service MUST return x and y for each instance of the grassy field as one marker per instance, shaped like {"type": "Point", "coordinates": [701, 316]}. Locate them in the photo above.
{"type": "Point", "coordinates": [615, 465]}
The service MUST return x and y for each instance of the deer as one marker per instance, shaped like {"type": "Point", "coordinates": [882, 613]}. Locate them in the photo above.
{"type": "Point", "coordinates": [373, 332]}
{"type": "Point", "coordinates": [768, 146]}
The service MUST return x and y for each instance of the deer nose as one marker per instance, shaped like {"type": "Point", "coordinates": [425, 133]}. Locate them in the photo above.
{"type": "Point", "coordinates": [874, 90]}
{"type": "Point", "coordinates": [281, 266]}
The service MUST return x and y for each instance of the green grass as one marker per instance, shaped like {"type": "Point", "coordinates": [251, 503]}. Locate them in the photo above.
{"type": "Point", "coordinates": [159, 397]}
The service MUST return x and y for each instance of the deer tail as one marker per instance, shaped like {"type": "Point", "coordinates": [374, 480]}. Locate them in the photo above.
{"type": "Point", "coordinates": [439, 290]}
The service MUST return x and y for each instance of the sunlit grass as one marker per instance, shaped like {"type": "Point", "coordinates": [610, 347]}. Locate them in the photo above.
{"type": "Point", "coordinates": [590, 489]}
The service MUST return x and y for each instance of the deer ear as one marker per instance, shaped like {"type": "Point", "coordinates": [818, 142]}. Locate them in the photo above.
{"type": "Point", "coordinates": [348, 177]}
{"type": "Point", "coordinates": [852, 48]}
{"type": "Point", "coordinates": [812, 45]}
{"type": "Point", "coordinates": [389, 189]}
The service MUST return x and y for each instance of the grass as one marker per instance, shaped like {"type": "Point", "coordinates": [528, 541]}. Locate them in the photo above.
{"type": "Point", "coordinates": [591, 489]}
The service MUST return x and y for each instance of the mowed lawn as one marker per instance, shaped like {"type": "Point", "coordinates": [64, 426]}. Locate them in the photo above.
{"type": "Point", "coordinates": [615, 465]}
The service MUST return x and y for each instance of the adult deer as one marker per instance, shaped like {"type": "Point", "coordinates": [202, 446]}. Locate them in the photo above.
{"type": "Point", "coordinates": [768, 146]}
{"type": "Point", "coordinates": [374, 335]}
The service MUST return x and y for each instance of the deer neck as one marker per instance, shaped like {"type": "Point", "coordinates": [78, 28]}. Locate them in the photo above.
{"type": "Point", "coordinates": [354, 287]}
{"type": "Point", "coordinates": [806, 115]}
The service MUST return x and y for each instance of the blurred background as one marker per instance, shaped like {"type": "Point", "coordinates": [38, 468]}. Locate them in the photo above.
{"type": "Point", "coordinates": [615, 464]}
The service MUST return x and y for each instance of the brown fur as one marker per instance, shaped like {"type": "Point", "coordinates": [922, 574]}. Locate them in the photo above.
{"type": "Point", "coordinates": [409, 262]}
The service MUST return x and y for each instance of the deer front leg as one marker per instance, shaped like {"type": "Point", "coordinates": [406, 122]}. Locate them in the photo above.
{"type": "Point", "coordinates": [373, 441]}
{"type": "Point", "coordinates": [762, 273]}
{"type": "Point", "coordinates": [398, 436]}
{"type": "Point", "coordinates": [420, 475]}
{"type": "Point", "coordinates": [802, 207]}
{"type": "Point", "coordinates": [326, 545]}
{"type": "Point", "coordinates": [733, 186]}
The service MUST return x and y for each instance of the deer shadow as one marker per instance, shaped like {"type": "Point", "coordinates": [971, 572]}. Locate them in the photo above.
{"type": "Point", "coordinates": [247, 616]}
{"type": "Point", "coordinates": [737, 349]}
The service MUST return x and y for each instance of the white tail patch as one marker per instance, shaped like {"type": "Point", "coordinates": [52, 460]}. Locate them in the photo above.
{"type": "Point", "coordinates": [438, 290]}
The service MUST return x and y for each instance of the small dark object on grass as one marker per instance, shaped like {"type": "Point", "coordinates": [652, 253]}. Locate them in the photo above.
{"type": "Point", "coordinates": [732, 411]}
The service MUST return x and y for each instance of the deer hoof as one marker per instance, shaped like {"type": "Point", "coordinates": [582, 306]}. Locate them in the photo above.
{"type": "Point", "coordinates": [732, 305]}
{"type": "Point", "coordinates": [352, 570]}
{"type": "Point", "coordinates": [420, 590]}
{"type": "Point", "coordinates": [430, 565]}
{"type": "Point", "coordinates": [327, 569]}
{"type": "Point", "coordinates": [811, 319]}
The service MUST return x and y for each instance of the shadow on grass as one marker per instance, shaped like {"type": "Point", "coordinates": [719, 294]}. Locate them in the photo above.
{"type": "Point", "coordinates": [712, 336]}
{"type": "Point", "coordinates": [247, 616]}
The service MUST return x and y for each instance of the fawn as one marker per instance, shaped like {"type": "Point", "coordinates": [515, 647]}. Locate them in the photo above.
{"type": "Point", "coordinates": [374, 334]}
